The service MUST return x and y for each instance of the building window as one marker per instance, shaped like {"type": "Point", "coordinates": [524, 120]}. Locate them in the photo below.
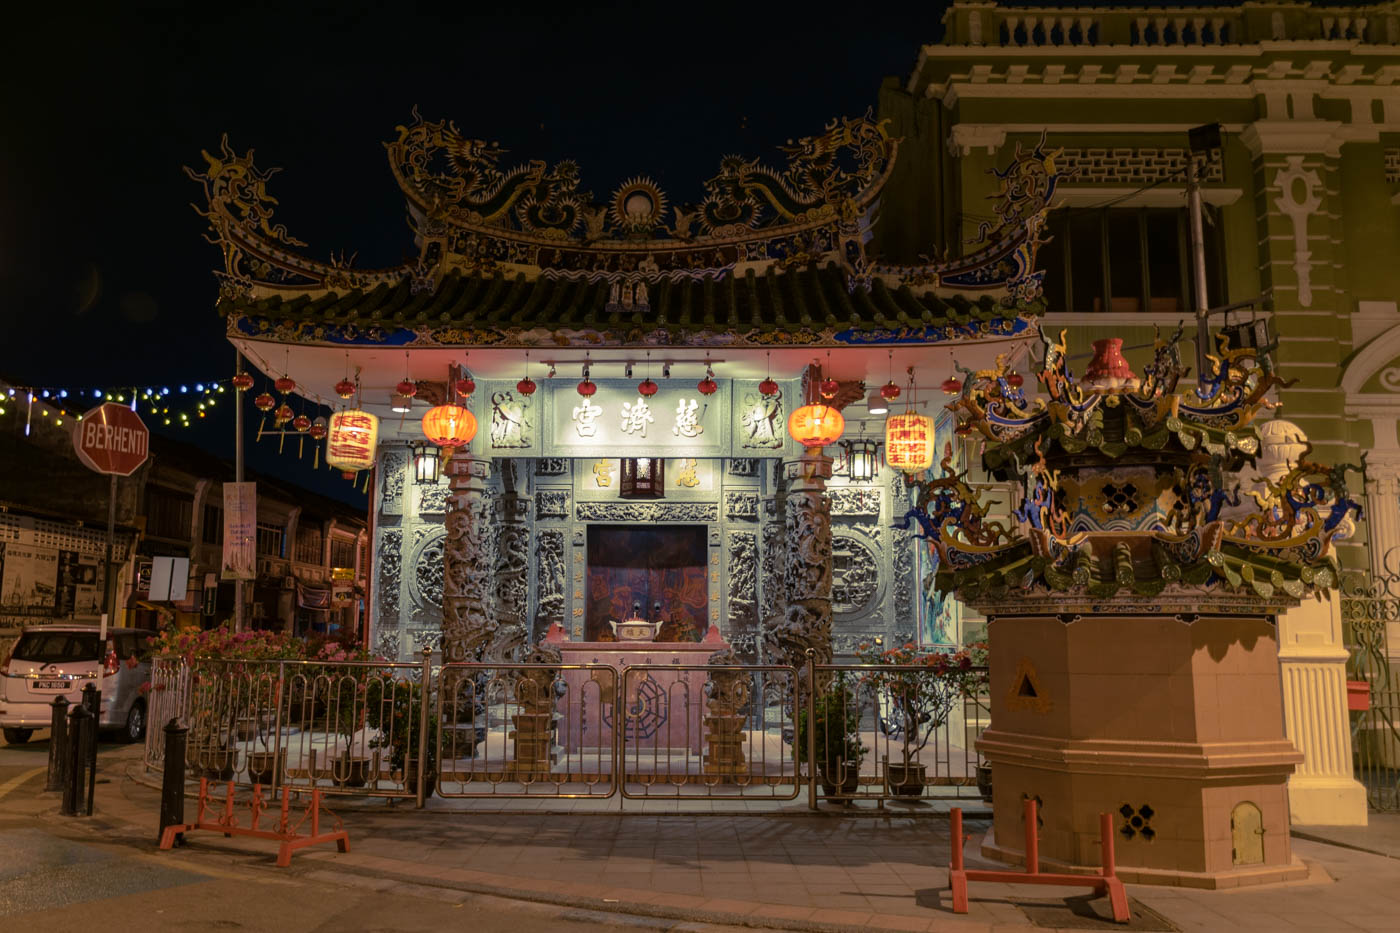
{"type": "Point", "coordinates": [213, 524]}
{"type": "Point", "coordinates": [169, 514]}
{"type": "Point", "coordinates": [270, 540]}
{"type": "Point", "coordinates": [309, 546]}
{"type": "Point", "coordinates": [343, 552]}
{"type": "Point", "coordinates": [1127, 260]}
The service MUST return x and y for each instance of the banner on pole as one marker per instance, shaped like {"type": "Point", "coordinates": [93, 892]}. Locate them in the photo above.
{"type": "Point", "coordinates": [240, 531]}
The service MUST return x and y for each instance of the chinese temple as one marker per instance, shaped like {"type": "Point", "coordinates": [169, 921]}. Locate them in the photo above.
{"type": "Point", "coordinates": [575, 411]}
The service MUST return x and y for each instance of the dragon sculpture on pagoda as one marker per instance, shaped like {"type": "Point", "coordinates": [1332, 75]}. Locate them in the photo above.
{"type": "Point", "coordinates": [1127, 490]}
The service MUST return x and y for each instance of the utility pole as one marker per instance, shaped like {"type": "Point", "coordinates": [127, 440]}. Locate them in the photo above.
{"type": "Point", "coordinates": [240, 609]}
{"type": "Point", "coordinates": [1204, 142]}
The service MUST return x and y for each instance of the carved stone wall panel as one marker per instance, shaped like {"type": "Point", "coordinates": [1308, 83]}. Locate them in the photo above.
{"type": "Point", "coordinates": [551, 576]}
{"type": "Point", "coordinates": [425, 571]}
{"type": "Point", "coordinates": [512, 420]}
{"type": "Point", "coordinates": [392, 466]}
{"type": "Point", "coordinates": [742, 506]}
{"type": "Point", "coordinates": [551, 466]}
{"type": "Point", "coordinates": [855, 500]}
{"type": "Point", "coordinates": [387, 585]}
{"type": "Point", "coordinates": [432, 500]}
{"type": "Point", "coordinates": [856, 584]}
{"type": "Point", "coordinates": [903, 553]}
{"type": "Point", "coordinates": [743, 466]}
{"type": "Point", "coordinates": [511, 581]}
{"type": "Point", "coordinates": [772, 587]}
{"type": "Point", "coordinates": [743, 630]}
{"type": "Point", "coordinates": [697, 512]}
{"type": "Point", "coordinates": [552, 504]}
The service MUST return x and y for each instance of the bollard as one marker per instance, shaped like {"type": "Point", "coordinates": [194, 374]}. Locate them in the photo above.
{"type": "Point", "coordinates": [79, 726]}
{"type": "Point", "coordinates": [92, 699]}
{"type": "Point", "coordinates": [172, 785]}
{"type": "Point", "coordinates": [58, 745]}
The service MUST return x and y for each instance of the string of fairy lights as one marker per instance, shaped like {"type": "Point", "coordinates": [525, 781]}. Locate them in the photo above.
{"type": "Point", "coordinates": [176, 405]}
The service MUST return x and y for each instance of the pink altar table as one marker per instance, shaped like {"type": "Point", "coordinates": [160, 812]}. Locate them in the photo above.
{"type": "Point", "coordinates": [662, 709]}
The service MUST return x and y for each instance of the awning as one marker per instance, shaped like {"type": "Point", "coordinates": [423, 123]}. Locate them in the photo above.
{"type": "Point", "coordinates": [313, 597]}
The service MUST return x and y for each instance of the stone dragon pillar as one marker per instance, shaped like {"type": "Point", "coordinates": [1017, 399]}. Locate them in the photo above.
{"type": "Point", "coordinates": [466, 628]}
{"type": "Point", "coordinates": [807, 567]}
{"type": "Point", "coordinates": [510, 583]}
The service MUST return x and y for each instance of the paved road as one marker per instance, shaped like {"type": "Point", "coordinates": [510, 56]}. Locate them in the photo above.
{"type": "Point", "coordinates": [90, 875]}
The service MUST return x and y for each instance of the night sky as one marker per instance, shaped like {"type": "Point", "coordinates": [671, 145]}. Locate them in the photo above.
{"type": "Point", "coordinates": [105, 278]}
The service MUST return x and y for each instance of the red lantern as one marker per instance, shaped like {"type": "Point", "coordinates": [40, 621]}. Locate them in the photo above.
{"type": "Point", "coordinates": [889, 391]}
{"type": "Point", "coordinates": [526, 386]}
{"type": "Point", "coordinates": [707, 386]}
{"type": "Point", "coordinates": [301, 423]}
{"type": "Point", "coordinates": [587, 388]}
{"type": "Point", "coordinates": [318, 429]}
{"type": "Point", "coordinates": [647, 388]}
{"type": "Point", "coordinates": [768, 387]}
{"type": "Point", "coordinates": [952, 385]}
{"type": "Point", "coordinates": [345, 388]}
{"type": "Point", "coordinates": [909, 442]}
{"type": "Point", "coordinates": [449, 426]}
{"type": "Point", "coordinates": [242, 382]}
{"type": "Point", "coordinates": [284, 413]}
{"type": "Point", "coordinates": [1015, 380]}
{"type": "Point", "coordinates": [816, 425]}
{"type": "Point", "coordinates": [284, 384]}
{"type": "Point", "coordinates": [829, 388]}
{"type": "Point", "coordinates": [408, 388]}
{"type": "Point", "coordinates": [265, 402]}
{"type": "Point", "coordinates": [465, 387]}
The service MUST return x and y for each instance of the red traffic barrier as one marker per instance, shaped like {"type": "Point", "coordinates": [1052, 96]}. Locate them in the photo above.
{"type": "Point", "coordinates": [283, 830]}
{"type": "Point", "coordinates": [1105, 882]}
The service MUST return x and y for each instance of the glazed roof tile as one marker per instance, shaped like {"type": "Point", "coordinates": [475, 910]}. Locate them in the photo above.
{"type": "Point", "coordinates": [811, 297]}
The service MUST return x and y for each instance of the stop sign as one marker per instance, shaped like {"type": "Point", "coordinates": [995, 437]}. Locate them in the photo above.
{"type": "Point", "coordinates": [111, 439]}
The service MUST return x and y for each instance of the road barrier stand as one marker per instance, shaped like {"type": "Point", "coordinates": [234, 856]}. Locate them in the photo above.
{"type": "Point", "coordinates": [283, 830]}
{"type": "Point", "coordinates": [58, 746]}
{"type": "Point", "coordinates": [1106, 882]}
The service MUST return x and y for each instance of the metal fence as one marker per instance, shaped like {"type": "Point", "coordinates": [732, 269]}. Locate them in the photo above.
{"type": "Point", "coordinates": [668, 731]}
{"type": "Point", "coordinates": [1371, 629]}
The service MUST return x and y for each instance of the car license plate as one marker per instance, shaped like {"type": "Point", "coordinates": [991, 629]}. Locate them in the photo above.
{"type": "Point", "coordinates": [51, 685]}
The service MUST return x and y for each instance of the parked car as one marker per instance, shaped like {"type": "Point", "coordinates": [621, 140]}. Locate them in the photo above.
{"type": "Point", "coordinates": [59, 660]}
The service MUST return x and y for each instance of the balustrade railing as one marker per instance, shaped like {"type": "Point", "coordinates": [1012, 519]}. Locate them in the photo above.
{"type": "Point", "coordinates": [669, 731]}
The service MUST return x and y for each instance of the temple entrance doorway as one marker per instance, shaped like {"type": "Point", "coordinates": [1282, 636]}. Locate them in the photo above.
{"type": "Point", "coordinates": [654, 572]}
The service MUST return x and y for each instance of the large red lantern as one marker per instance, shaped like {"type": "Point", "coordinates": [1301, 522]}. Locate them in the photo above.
{"type": "Point", "coordinates": [265, 402]}
{"type": "Point", "coordinates": [449, 426]}
{"type": "Point", "coordinates": [301, 424]}
{"type": "Point", "coordinates": [816, 425]}
{"type": "Point", "coordinates": [285, 384]}
{"type": "Point", "coordinates": [909, 443]}
{"type": "Point", "coordinates": [243, 382]}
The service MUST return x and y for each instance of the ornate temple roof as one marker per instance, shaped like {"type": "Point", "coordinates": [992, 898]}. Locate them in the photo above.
{"type": "Point", "coordinates": [522, 255]}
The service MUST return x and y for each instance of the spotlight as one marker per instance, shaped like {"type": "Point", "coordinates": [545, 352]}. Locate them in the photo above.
{"type": "Point", "coordinates": [875, 403]}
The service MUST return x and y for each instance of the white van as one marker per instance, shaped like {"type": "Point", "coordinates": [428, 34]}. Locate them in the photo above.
{"type": "Point", "coordinates": [59, 660]}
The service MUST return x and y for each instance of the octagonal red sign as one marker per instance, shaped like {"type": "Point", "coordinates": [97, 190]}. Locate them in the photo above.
{"type": "Point", "coordinates": [112, 439]}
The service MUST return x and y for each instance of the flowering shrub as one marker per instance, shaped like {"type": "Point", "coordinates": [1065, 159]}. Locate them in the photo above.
{"type": "Point", "coordinates": [224, 643]}
{"type": "Point", "coordinates": [916, 689]}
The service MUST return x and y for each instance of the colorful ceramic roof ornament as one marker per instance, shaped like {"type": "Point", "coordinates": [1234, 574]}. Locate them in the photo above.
{"type": "Point", "coordinates": [1130, 492]}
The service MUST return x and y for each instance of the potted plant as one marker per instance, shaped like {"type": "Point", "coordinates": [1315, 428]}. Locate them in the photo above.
{"type": "Point", "coordinates": [834, 730]}
{"type": "Point", "coordinates": [915, 692]}
{"type": "Point", "coordinates": [397, 717]}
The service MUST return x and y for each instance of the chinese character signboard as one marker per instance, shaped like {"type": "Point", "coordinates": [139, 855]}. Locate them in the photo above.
{"type": "Point", "coordinates": [351, 439]}
{"type": "Point", "coordinates": [240, 530]}
{"type": "Point", "coordinates": [677, 420]}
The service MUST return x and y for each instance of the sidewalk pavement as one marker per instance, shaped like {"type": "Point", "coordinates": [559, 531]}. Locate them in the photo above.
{"type": "Point", "coordinates": [826, 871]}
{"type": "Point", "coordinates": [1380, 836]}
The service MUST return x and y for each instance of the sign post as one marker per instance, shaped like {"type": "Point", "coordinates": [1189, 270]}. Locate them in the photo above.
{"type": "Point", "coordinates": [111, 439]}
